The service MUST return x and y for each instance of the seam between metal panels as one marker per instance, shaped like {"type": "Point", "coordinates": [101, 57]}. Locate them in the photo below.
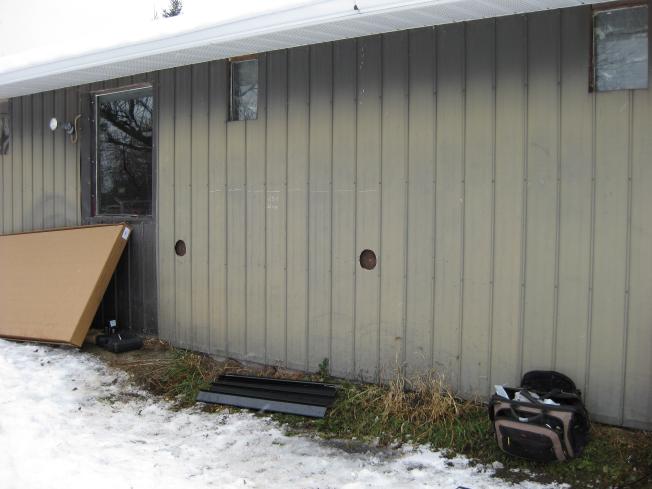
{"type": "Point", "coordinates": [526, 90]}
{"type": "Point", "coordinates": [265, 268]}
{"type": "Point", "coordinates": [174, 197]}
{"type": "Point", "coordinates": [555, 317]}
{"type": "Point", "coordinates": [245, 333]}
{"type": "Point", "coordinates": [225, 115]}
{"type": "Point", "coordinates": [381, 82]}
{"type": "Point", "coordinates": [435, 87]}
{"type": "Point", "coordinates": [308, 148]}
{"type": "Point", "coordinates": [209, 127]}
{"type": "Point", "coordinates": [193, 329]}
{"type": "Point", "coordinates": [628, 251]}
{"type": "Point", "coordinates": [587, 375]}
{"type": "Point", "coordinates": [460, 337]}
{"type": "Point", "coordinates": [492, 250]}
{"type": "Point", "coordinates": [406, 226]}
{"type": "Point", "coordinates": [330, 271]}
{"type": "Point", "coordinates": [355, 206]}
{"type": "Point", "coordinates": [285, 184]}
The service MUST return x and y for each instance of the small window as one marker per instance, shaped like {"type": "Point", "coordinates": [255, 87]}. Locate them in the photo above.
{"type": "Point", "coordinates": [244, 90]}
{"type": "Point", "coordinates": [124, 153]}
{"type": "Point", "coordinates": [620, 47]}
{"type": "Point", "coordinates": [4, 134]}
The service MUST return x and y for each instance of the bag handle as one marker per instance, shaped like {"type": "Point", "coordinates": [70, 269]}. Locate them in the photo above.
{"type": "Point", "coordinates": [524, 419]}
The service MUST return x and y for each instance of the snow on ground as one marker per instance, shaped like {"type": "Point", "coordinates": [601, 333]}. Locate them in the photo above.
{"type": "Point", "coordinates": [69, 421]}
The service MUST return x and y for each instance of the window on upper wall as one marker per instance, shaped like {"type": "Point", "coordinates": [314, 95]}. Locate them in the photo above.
{"type": "Point", "coordinates": [4, 134]}
{"type": "Point", "coordinates": [244, 90]}
{"type": "Point", "coordinates": [620, 48]}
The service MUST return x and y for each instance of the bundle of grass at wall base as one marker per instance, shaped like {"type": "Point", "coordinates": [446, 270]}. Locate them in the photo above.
{"type": "Point", "coordinates": [271, 395]}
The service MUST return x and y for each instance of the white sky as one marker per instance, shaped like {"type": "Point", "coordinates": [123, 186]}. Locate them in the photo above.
{"type": "Point", "coordinates": [31, 24]}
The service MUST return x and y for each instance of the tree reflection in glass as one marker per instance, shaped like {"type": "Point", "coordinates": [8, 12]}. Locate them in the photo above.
{"type": "Point", "coordinates": [124, 153]}
{"type": "Point", "coordinates": [4, 134]}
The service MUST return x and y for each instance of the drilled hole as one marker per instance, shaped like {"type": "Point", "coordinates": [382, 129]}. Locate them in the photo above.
{"type": "Point", "coordinates": [180, 248]}
{"type": "Point", "coordinates": [368, 260]}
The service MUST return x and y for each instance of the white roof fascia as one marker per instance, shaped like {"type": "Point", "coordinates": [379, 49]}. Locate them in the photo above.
{"type": "Point", "coordinates": [311, 23]}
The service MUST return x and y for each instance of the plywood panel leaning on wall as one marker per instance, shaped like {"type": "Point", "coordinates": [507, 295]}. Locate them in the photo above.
{"type": "Point", "coordinates": [53, 281]}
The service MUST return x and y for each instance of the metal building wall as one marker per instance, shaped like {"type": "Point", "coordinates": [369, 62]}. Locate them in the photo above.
{"type": "Point", "coordinates": [39, 177]}
{"type": "Point", "coordinates": [508, 207]}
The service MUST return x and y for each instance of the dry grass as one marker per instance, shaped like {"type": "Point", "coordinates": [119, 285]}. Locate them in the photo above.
{"type": "Point", "coordinates": [421, 399]}
{"type": "Point", "coordinates": [420, 409]}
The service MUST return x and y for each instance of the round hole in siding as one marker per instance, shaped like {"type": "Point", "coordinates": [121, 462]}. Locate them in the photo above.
{"type": "Point", "coordinates": [368, 259]}
{"type": "Point", "coordinates": [180, 248]}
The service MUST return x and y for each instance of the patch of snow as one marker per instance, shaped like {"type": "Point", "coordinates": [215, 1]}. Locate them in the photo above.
{"type": "Point", "coordinates": [67, 420]}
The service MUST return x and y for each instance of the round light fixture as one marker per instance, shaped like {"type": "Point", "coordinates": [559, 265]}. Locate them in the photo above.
{"type": "Point", "coordinates": [54, 123]}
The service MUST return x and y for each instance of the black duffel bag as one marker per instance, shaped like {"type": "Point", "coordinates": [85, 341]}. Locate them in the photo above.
{"type": "Point", "coordinates": [543, 420]}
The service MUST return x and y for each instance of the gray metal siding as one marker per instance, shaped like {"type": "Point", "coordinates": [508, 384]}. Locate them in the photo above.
{"type": "Point", "coordinates": [507, 205]}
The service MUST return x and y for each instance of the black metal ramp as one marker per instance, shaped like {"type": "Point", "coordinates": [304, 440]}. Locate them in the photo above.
{"type": "Point", "coordinates": [274, 395]}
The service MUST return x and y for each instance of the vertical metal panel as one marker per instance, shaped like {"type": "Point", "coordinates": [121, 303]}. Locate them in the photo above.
{"type": "Point", "coordinates": [17, 163]}
{"type": "Point", "coordinates": [255, 223]}
{"type": "Point", "coordinates": [576, 173]}
{"type": "Point", "coordinates": [27, 162]}
{"type": "Point", "coordinates": [71, 172]}
{"type": "Point", "coordinates": [8, 178]}
{"type": "Point", "coordinates": [449, 204]}
{"type": "Point", "coordinates": [276, 206]}
{"type": "Point", "coordinates": [638, 393]}
{"type": "Point", "coordinates": [511, 47]}
{"type": "Point", "coordinates": [217, 207]}
{"type": "Point", "coordinates": [605, 385]}
{"type": "Point", "coordinates": [49, 194]}
{"type": "Point", "coordinates": [166, 234]}
{"type": "Point", "coordinates": [183, 204]}
{"type": "Point", "coordinates": [59, 161]}
{"type": "Point", "coordinates": [38, 162]}
{"type": "Point", "coordinates": [319, 205]}
{"type": "Point", "coordinates": [478, 208]}
{"type": "Point", "coordinates": [394, 150]}
{"type": "Point", "coordinates": [542, 174]}
{"type": "Point", "coordinates": [236, 235]}
{"type": "Point", "coordinates": [420, 220]}
{"type": "Point", "coordinates": [199, 215]}
{"type": "Point", "coordinates": [368, 202]}
{"type": "Point", "coordinates": [297, 202]}
{"type": "Point", "coordinates": [343, 218]}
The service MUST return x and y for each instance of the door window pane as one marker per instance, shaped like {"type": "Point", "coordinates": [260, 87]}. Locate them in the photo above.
{"type": "Point", "coordinates": [124, 153]}
{"type": "Point", "coordinates": [244, 90]}
{"type": "Point", "coordinates": [4, 134]}
{"type": "Point", "coordinates": [621, 48]}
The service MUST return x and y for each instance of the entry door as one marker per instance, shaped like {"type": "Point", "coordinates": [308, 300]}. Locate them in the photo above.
{"type": "Point", "coordinates": [120, 187]}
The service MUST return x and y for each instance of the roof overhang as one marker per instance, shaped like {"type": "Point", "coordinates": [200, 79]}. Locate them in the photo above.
{"type": "Point", "coordinates": [309, 23]}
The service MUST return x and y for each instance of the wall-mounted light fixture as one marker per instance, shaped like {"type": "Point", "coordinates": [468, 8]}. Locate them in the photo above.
{"type": "Point", "coordinates": [70, 128]}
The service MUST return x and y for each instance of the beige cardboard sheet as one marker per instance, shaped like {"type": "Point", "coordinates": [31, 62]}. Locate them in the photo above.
{"type": "Point", "coordinates": [52, 282]}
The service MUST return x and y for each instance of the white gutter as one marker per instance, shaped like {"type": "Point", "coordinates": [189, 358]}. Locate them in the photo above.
{"type": "Point", "coordinates": [167, 45]}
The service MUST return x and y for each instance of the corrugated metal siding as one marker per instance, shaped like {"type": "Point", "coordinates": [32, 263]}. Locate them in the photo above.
{"type": "Point", "coordinates": [506, 204]}
{"type": "Point", "coordinates": [40, 175]}
{"type": "Point", "coordinates": [508, 207]}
